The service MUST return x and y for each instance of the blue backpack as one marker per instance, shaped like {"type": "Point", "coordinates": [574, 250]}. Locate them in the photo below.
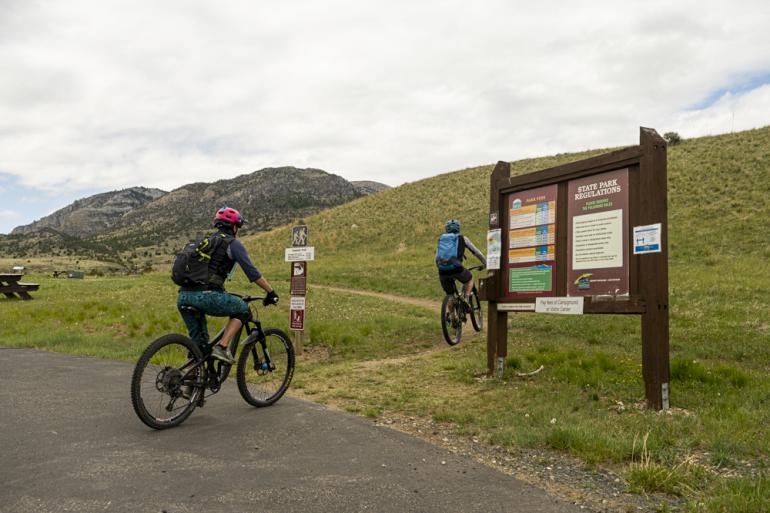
{"type": "Point", "coordinates": [447, 252]}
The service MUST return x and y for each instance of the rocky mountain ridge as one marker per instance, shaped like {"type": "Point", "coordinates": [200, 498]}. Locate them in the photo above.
{"type": "Point", "coordinates": [369, 187]}
{"type": "Point", "coordinates": [122, 226]}
{"type": "Point", "coordinates": [93, 215]}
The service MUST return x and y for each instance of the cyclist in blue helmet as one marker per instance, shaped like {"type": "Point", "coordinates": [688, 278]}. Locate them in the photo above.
{"type": "Point", "coordinates": [450, 254]}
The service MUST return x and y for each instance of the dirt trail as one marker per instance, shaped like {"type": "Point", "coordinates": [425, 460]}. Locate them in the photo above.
{"type": "Point", "coordinates": [424, 303]}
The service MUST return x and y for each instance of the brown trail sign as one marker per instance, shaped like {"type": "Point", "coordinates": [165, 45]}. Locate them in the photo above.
{"type": "Point", "coordinates": [588, 237]}
{"type": "Point", "coordinates": [299, 255]}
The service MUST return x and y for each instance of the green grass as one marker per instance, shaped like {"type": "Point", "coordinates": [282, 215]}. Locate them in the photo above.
{"type": "Point", "coordinates": [116, 317]}
{"type": "Point", "coordinates": [369, 356]}
{"type": "Point", "coordinates": [736, 495]}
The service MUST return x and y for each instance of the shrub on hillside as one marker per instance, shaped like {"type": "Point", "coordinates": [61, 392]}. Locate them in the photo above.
{"type": "Point", "coordinates": [672, 138]}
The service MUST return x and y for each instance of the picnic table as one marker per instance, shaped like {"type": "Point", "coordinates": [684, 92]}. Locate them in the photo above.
{"type": "Point", "coordinates": [10, 285]}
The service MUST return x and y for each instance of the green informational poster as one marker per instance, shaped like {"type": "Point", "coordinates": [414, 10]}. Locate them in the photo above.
{"type": "Point", "coordinates": [536, 278]}
{"type": "Point", "coordinates": [530, 242]}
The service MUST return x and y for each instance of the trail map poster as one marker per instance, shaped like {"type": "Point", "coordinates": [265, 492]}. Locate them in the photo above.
{"type": "Point", "coordinates": [531, 251]}
{"type": "Point", "coordinates": [597, 237]}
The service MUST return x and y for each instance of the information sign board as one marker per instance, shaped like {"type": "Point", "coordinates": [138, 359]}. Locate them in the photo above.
{"type": "Point", "coordinates": [494, 248]}
{"type": "Point", "coordinates": [298, 278]}
{"type": "Point", "coordinates": [300, 254]}
{"type": "Point", "coordinates": [567, 246]}
{"type": "Point", "coordinates": [531, 255]}
{"type": "Point", "coordinates": [516, 307]}
{"type": "Point", "coordinates": [597, 238]}
{"type": "Point", "coordinates": [297, 313]}
{"type": "Point", "coordinates": [647, 239]}
{"type": "Point", "coordinates": [559, 305]}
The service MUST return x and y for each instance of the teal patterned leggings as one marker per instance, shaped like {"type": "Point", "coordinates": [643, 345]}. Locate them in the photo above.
{"type": "Point", "coordinates": [218, 304]}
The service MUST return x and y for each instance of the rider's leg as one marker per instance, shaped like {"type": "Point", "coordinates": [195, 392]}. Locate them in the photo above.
{"type": "Point", "coordinates": [196, 324]}
{"type": "Point", "coordinates": [221, 304]}
{"type": "Point", "coordinates": [230, 330]}
{"type": "Point", "coordinates": [466, 278]}
{"type": "Point", "coordinates": [468, 288]}
{"type": "Point", "coordinates": [448, 284]}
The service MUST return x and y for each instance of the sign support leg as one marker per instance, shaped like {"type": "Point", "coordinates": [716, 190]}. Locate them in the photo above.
{"type": "Point", "coordinates": [653, 268]}
{"type": "Point", "coordinates": [655, 364]}
{"type": "Point", "coordinates": [299, 342]}
{"type": "Point", "coordinates": [497, 339]}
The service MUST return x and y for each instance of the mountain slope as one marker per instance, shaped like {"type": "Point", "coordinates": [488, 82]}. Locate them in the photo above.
{"type": "Point", "coordinates": [93, 215]}
{"type": "Point", "coordinates": [267, 198]}
{"type": "Point", "coordinates": [369, 187]}
{"type": "Point", "coordinates": [135, 226]}
{"type": "Point", "coordinates": [48, 242]}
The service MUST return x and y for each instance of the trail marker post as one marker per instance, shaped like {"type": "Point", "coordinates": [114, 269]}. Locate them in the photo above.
{"type": "Point", "coordinates": [298, 255]}
{"type": "Point", "coordinates": [588, 237]}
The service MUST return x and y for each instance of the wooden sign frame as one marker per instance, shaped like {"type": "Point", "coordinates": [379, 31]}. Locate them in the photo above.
{"type": "Point", "coordinates": [647, 274]}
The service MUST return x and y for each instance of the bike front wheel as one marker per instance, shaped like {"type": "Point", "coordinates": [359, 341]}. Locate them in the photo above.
{"type": "Point", "coordinates": [265, 368]}
{"type": "Point", "coordinates": [477, 315]}
{"type": "Point", "coordinates": [451, 323]}
{"type": "Point", "coordinates": [167, 381]}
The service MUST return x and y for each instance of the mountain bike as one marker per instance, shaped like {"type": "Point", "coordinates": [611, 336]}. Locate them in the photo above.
{"type": "Point", "coordinates": [455, 312]}
{"type": "Point", "coordinates": [174, 375]}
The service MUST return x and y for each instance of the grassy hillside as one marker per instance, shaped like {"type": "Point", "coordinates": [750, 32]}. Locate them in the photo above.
{"type": "Point", "coordinates": [719, 195]}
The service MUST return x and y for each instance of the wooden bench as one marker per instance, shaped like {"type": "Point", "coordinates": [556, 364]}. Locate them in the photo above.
{"type": "Point", "coordinates": [10, 285]}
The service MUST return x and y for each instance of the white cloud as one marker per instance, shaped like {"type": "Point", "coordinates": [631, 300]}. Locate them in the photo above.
{"type": "Point", "coordinates": [8, 215]}
{"type": "Point", "coordinates": [100, 95]}
{"type": "Point", "coordinates": [728, 113]}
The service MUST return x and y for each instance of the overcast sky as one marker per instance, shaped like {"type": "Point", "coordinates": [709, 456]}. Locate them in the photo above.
{"type": "Point", "coordinates": [103, 94]}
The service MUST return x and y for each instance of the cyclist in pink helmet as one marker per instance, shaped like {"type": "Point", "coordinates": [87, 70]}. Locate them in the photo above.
{"type": "Point", "coordinates": [212, 299]}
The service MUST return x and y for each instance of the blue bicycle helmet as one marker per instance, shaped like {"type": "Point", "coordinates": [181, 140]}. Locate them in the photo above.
{"type": "Point", "coordinates": [452, 226]}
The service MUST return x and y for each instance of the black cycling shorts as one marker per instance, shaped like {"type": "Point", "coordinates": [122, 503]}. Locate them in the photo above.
{"type": "Point", "coordinates": [448, 280]}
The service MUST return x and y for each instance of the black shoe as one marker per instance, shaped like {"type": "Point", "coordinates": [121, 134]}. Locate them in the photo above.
{"type": "Point", "coordinates": [223, 354]}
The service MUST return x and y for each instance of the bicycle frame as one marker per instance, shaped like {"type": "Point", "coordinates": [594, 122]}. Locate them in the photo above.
{"type": "Point", "coordinates": [216, 372]}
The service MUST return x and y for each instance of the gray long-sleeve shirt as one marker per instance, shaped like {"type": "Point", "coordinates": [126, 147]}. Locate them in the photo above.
{"type": "Point", "coordinates": [478, 254]}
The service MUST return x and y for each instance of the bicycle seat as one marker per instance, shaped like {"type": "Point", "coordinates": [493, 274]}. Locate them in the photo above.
{"type": "Point", "coordinates": [191, 309]}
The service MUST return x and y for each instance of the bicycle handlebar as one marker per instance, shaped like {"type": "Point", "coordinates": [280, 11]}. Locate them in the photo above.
{"type": "Point", "coordinates": [247, 299]}
{"type": "Point", "coordinates": [476, 267]}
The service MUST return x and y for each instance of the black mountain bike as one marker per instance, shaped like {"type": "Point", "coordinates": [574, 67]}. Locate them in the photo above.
{"type": "Point", "coordinates": [174, 375]}
{"type": "Point", "coordinates": [455, 312]}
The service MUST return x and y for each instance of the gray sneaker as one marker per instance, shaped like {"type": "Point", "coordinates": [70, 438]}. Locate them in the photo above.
{"type": "Point", "coordinates": [222, 353]}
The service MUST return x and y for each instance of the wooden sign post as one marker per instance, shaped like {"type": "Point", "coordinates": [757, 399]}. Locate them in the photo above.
{"type": "Point", "coordinates": [588, 237]}
{"type": "Point", "coordinates": [298, 255]}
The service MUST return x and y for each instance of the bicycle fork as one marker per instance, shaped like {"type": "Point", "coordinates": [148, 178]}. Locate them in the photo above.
{"type": "Point", "coordinates": [260, 366]}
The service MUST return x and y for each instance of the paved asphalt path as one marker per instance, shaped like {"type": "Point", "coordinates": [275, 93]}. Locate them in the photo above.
{"type": "Point", "coordinates": [69, 441]}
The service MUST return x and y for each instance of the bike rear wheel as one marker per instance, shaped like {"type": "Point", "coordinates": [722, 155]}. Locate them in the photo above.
{"type": "Point", "coordinates": [451, 323]}
{"type": "Point", "coordinates": [477, 315]}
{"type": "Point", "coordinates": [265, 371]}
{"type": "Point", "coordinates": [166, 384]}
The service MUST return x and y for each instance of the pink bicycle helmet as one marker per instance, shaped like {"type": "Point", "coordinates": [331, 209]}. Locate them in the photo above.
{"type": "Point", "coordinates": [229, 216]}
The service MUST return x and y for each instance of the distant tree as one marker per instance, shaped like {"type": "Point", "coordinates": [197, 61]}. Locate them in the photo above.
{"type": "Point", "coordinates": [672, 138]}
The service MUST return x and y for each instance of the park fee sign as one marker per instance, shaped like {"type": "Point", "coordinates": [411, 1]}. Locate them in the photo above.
{"type": "Point", "coordinates": [588, 237]}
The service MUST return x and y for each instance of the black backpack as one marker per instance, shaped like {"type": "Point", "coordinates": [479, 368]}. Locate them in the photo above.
{"type": "Point", "coordinates": [191, 266]}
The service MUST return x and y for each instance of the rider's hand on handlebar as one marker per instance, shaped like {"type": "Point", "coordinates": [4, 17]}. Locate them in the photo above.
{"type": "Point", "coordinates": [270, 299]}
